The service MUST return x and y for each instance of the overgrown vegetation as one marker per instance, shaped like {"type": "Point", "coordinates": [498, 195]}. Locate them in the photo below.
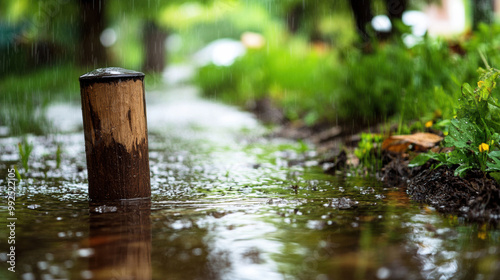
{"type": "Point", "coordinates": [295, 78]}
{"type": "Point", "coordinates": [474, 132]}
{"type": "Point", "coordinates": [322, 84]}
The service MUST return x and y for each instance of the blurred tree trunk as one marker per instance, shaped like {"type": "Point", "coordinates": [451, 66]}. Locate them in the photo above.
{"type": "Point", "coordinates": [396, 8]}
{"type": "Point", "coordinates": [482, 11]}
{"type": "Point", "coordinates": [304, 17]}
{"type": "Point", "coordinates": [154, 45]}
{"type": "Point", "coordinates": [294, 18]}
{"type": "Point", "coordinates": [362, 15]}
{"type": "Point", "coordinates": [92, 52]}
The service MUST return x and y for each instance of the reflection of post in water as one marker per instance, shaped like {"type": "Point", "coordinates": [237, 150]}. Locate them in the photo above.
{"type": "Point", "coordinates": [120, 235]}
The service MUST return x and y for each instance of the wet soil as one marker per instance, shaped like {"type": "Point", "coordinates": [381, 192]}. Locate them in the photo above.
{"type": "Point", "coordinates": [475, 196]}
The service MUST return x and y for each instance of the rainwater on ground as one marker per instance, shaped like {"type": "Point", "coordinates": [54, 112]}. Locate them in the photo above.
{"type": "Point", "coordinates": [227, 203]}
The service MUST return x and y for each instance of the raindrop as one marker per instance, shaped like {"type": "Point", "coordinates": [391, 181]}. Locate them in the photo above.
{"type": "Point", "coordinates": [322, 277]}
{"type": "Point", "coordinates": [86, 274]}
{"type": "Point", "coordinates": [42, 265]}
{"type": "Point", "coordinates": [197, 251]}
{"type": "Point", "coordinates": [108, 37]}
{"type": "Point", "coordinates": [85, 252]}
{"type": "Point", "coordinates": [28, 276]}
{"type": "Point", "coordinates": [383, 273]}
{"type": "Point", "coordinates": [381, 23]}
{"type": "Point", "coordinates": [105, 209]}
{"type": "Point", "coordinates": [493, 250]}
{"type": "Point", "coordinates": [68, 263]}
{"type": "Point", "coordinates": [49, 256]}
{"type": "Point", "coordinates": [54, 269]}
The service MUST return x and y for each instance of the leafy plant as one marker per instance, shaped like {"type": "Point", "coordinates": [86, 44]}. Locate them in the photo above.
{"type": "Point", "coordinates": [25, 150]}
{"type": "Point", "coordinates": [58, 156]}
{"type": "Point", "coordinates": [342, 85]}
{"type": "Point", "coordinates": [369, 150]}
{"type": "Point", "coordinates": [301, 81]}
{"type": "Point", "coordinates": [474, 133]}
{"type": "Point", "coordinates": [16, 171]}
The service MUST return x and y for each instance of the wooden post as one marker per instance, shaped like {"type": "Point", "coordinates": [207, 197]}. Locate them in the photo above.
{"type": "Point", "coordinates": [116, 135]}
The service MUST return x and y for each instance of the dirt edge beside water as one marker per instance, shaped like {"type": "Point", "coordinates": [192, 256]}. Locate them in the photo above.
{"type": "Point", "coordinates": [475, 197]}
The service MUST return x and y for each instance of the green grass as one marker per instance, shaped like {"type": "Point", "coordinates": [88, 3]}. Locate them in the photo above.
{"type": "Point", "coordinates": [58, 155]}
{"type": "Point", "coordinates": [25, 150]}
{"type": "Point", "coordinates": [296, 78]}
{"type": "Point", "coordinates": [25, 97]}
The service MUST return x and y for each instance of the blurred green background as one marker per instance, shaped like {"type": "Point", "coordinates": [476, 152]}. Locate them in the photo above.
{"type": "Point", "coordinates": [306, 58]}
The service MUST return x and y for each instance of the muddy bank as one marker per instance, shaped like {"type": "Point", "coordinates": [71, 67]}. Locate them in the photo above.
{"type": "Point", "coordinates": [475, 196]}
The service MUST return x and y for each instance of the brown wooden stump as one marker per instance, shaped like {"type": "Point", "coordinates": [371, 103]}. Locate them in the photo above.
{"type": "Point", "coordinates": [116, 141]}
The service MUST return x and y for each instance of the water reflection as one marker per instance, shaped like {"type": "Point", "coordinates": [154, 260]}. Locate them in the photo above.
{"type": "Point", "coordinates": [120, 240]}
{"type": "Point", "coordinates": [439, 244]}
{"type": "Point", "coordinates": [226, 205]}
{"type": "Point", "coordinates": [219, 240]}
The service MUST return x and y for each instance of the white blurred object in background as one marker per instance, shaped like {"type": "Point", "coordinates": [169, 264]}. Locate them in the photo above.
{"type": "Point", "coordinates": [447, 18]}
{"type": "Point", "coordinates": [381, 23]}
{"type": "Point", "coordinates": [221, 52]}
{"type": "Point", "coordinates": [253, 40]}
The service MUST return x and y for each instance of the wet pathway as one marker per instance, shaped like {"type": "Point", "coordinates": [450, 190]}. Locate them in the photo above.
{"type": "Point", "coordinates": [227, 203]}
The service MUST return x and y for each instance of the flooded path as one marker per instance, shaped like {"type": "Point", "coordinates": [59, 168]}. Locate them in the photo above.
{"type": "Point", "coordinates": [227, 203]}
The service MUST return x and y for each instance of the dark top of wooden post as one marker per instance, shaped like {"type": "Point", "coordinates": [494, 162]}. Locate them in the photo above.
{"type": "Point", "coordinates": [110, 73]}
{"type": "Point", "coordinates": [115, 126]}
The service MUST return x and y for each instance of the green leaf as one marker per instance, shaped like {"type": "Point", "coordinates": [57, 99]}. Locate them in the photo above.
{"type": "Point", "coordinates": [18, 175]}
{"type": "Point", "coordinates": [420, 160]}
{"type": "Point", "coordinates": [494, 164]}
{"type": "Point", "coordinates": [464, 134]}
{"type": "Point", "coordinates": [467, 90]}
{"type": "Point", "coordinates": [457, 157]}
{"type": "Point", "coordinates": [460, 171]}
{"type": "Point", "coordinates": [496, 176]}
{"type": "Point", "coordinates": [443, 123]}
{"type": "Point", "coordinates": [443, 157]}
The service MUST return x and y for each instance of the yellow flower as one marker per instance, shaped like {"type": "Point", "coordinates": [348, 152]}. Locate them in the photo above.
{"type": "Point", "coordinates": [429, 124]}
{"type": "Point", "coordinates": [484, 147]}
{"type": "Point", "coordinates": [482, 235]}
{"type": "Point", "coordinates": [480, 83]}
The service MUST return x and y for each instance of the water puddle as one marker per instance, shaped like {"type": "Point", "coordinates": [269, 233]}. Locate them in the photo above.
{"type": "Point", "coordinates": [227, 203]}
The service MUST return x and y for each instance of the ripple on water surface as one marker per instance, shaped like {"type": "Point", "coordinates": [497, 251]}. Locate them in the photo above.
{"type": "Point", "coordinates": [227, 203]}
